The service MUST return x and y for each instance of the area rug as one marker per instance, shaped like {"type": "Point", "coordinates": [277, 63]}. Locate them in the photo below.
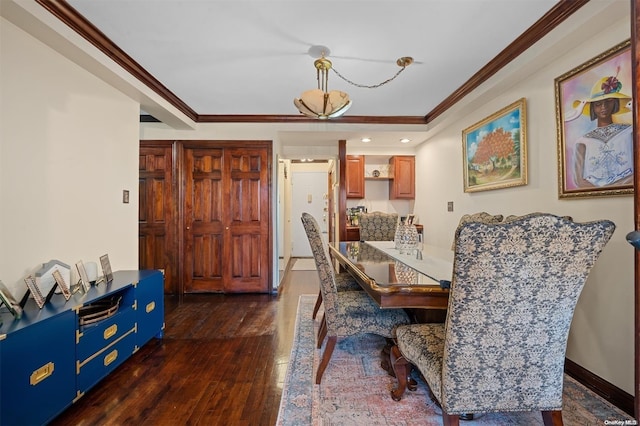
{"type": "Point", "coordinates": [304, 264]}
{"type": "Point", "coordinates": [356, 391]}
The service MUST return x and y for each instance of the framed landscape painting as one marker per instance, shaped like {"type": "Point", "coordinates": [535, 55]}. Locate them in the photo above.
{"type": "Point", "coordinates": [494, 151]}
{"type": "Point", "coordinates": [595, 126]}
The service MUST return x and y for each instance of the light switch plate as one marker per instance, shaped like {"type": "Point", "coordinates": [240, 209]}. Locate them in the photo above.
{"type": "Point", "coordinates": [125, 196]}
{"type": "Point", "coordinates": [450, 206]}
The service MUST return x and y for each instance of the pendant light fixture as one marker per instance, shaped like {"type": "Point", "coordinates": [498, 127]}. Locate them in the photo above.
{"type": "Point", "coordinates": [323, 104]}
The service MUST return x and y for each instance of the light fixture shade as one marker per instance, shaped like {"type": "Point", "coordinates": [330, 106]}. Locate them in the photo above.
{"type": "Point", "coordinates": [318, 104]}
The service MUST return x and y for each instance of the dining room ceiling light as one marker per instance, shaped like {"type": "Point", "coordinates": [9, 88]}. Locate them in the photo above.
{"type": "Point", "coordinates": [365, 140]}
{"type": "Point", "coordinates": [405, 140]}
{"type": "Point", "coordinates": [323, 104]}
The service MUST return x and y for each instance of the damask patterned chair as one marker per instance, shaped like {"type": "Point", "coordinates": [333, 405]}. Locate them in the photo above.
{"type": "Point", "coordinates": [378, 226]}
{"type": "Point", "coordinates": [344, 282]}
{"type": "Point", "coordinates": [346, 313]}
{"type": "Point", "coordinates": [477, 217]}
{"type": "Point", "coordinates": [514, 291]}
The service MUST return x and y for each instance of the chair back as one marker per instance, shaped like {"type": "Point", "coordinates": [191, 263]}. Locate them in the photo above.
{"type": "Point", "coordinates": [378, 226]}
{"type": "Point", "coordinates": [477, 217]}
{"type": "Point", "coordinates": [326, 271]}
{"type": "Point", "coordinates": [515, 287]}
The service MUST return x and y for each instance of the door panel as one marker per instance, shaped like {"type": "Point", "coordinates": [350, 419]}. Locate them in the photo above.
{"type": "Point", "coordinates": [156, 220]}
{"type": "Point", "coordinates": [248, 223]}
{"type": "Point", "coordinates": [203, 220]}
{"type": "Point", "coordinates": [226, 220]}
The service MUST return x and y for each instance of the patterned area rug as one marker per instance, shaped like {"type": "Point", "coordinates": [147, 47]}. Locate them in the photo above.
{"type": "Point", "coordinates": [356, 391]}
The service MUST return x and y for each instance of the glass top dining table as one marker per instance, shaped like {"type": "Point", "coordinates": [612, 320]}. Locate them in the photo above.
{"type": "Point", "coordinates": [394, 279]}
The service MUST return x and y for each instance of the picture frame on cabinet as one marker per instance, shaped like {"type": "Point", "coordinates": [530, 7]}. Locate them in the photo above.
{"type": "Point", "coordinates": [494, 150]}
{"type": "Point", "coordinates": [107, 273]}
{"type": "Point", "coordinates": [34, 290]}
{"type": "Point", "coordinates": [11, 303]}
{"type": "Point", "coordinates": [594, 124]}
{"type": "Point", "coordinates": [66, 291]}
{"type": "Point", "coordinates": [84, 279]}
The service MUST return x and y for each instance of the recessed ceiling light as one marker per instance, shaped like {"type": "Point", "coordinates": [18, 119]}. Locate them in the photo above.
{"type": "Point", "coordinates": [405, 140]}
{"type": "Point", "coordinates": [366, 140]}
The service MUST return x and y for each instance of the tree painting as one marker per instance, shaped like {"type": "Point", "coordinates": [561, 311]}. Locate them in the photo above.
{"type": "Point", "coordinates": [494, 153]}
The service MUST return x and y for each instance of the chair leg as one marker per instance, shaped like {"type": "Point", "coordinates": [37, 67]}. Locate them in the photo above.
{"type": "Point", "coordinates": [322, 332]}
{"type": "Point", "coordinates": [552, 418]}
{"type": "Point", "coordinates": [317, 307]}
{"type": "Point", "coordinates": [402, 369]}
{"type": "Point", "coordinates": [450, 419]}
{"type": "Point", "coordinates": [326, 356]}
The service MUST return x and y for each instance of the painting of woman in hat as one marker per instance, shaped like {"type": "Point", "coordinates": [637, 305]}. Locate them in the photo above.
{"type": "Point", "coordinates": [597, 147]}
{"type": "Point", "coordinates": [604, 155]}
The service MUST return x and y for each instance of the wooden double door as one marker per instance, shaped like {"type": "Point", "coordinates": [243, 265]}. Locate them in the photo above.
{"type": "Point", "coordinates": [205, 215]}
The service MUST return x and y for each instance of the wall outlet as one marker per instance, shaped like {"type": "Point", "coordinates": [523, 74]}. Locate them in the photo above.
{"type": "Point", "coordinates": [450, 206]}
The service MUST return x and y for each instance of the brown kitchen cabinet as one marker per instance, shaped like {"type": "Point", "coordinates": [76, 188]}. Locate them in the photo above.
{"type": "Point", "coordinates": [355, 176]}
{"type": "Point", "coordinates": [403, 184]}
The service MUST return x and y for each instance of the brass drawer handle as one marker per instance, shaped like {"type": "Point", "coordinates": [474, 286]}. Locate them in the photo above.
{"type": "Point", "coordinates": [113, 355]}
{"type": "Point", "coordinates": [150, 306]}
{"type": "Point", "coordinates": [110, 331]}
{"type": "Point", "coordinates": [41, 373]}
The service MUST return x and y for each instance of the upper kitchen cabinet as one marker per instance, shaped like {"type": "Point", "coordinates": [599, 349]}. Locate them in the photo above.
{"type": "Point", "coordinates": [355, 176]}
{"type": "Point", "coordinates": [403, 184]}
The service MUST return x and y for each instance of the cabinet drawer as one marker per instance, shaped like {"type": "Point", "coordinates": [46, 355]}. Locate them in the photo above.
{"type": "Point", "coordinates": [102, 363]}
{"type": "Point", "coordinates": [95, 337]}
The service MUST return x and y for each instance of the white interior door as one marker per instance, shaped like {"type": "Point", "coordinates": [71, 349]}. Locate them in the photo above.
{"type": "Point", "coordinates": [309, 194]}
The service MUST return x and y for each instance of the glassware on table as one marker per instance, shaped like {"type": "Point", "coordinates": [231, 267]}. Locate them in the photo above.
{"type": "Point", "coordinates": [406, 238]}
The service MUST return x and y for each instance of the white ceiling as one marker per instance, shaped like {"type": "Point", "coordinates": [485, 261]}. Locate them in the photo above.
{"type": "Point", "coordinates": [240, 57]}
{"type": "Point", "coordinates": [251, 57]}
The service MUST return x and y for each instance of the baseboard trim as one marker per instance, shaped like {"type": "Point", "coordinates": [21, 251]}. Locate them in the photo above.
{"type": "Point", "coordinates": [606, 390]}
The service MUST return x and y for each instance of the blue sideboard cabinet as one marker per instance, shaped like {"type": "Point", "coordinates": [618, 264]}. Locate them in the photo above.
{"type": "Point", "coordinates": [48, 359]}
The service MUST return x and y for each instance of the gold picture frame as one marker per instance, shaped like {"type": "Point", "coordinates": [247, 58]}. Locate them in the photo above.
{"type": "Point", "coordinates": [594, 126]}
{"type": "Point", "coordinates": [494, 150]}
{"type": "Point", "coordinates": [64, 288]}
{"type": "Point", "coordinates": [33, 288]}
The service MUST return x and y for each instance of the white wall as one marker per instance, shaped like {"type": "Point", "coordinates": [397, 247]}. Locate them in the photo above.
{"type": "Point", "coordinates": [68, 148]}
{"type": "Point", "coordinates": [601, 337]}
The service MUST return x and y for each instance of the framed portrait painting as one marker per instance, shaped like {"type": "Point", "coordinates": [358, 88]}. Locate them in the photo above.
{"type": "Point", "coordinates": [595, 126]}
{"type": "Point", "coordinates": [494, 151]}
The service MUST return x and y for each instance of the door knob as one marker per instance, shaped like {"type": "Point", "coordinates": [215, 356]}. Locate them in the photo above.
{"type": "Point", "coordinates": [226, 227]}
{"type": "Point", "coordinates": [188, 228]}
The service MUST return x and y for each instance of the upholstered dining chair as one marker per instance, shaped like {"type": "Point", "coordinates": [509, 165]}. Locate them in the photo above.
{"type": "Point", "coordinates": [502, 347]}
{"type": "Point", "coordinates": [378, 226]}
{"type": "Point", "coordinates": [478, 217]}
{"type": "Point", "coordinates": [344, 282]}
{"type": "Point", "coordinates": [346, 313]}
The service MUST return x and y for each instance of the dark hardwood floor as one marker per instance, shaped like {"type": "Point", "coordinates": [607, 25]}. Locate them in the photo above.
{"type": "Point", "coordinates": [222, 361]}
